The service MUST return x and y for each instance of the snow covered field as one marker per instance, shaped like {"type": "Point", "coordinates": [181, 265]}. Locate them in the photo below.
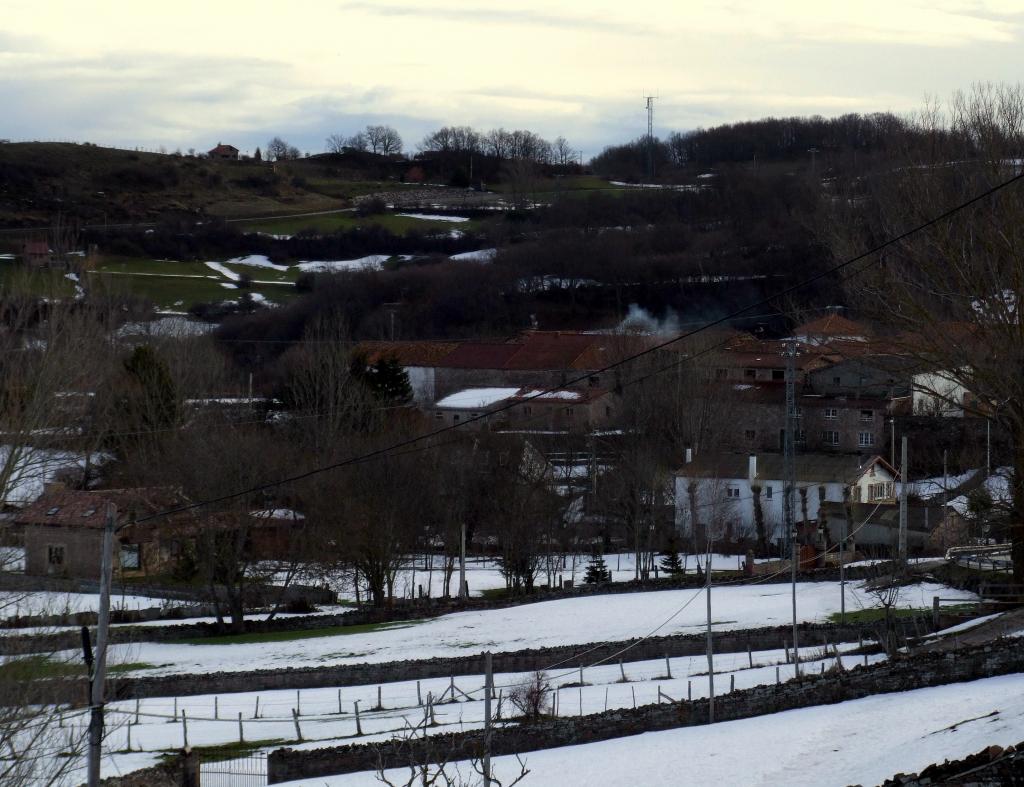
{"type": "Point", "coordinates": [213, 719]}
{"type": "Point", "coordinates": [857, 742]}
{"type": "Point", "coordinates": [18, 603]}
{"type": "Point", "coordinates": [550, 623]}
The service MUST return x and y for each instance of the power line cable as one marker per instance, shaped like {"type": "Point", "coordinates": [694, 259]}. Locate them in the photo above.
{"type": "Point", "coordinates": [608, 367]}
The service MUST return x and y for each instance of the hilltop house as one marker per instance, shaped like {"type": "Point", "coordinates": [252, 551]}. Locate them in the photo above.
{"type": "Point", "coordinates": [724, 490]}
{"type": "Point", "coordinates": [224, 152]}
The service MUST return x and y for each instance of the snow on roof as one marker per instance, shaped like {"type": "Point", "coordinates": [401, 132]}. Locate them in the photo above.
{"type": "Point", "coordinates": [475, 398]}
{"type": "Point", "coordinates": [540, 393]}
{"type": "Point", "coordinates": [481, 255]}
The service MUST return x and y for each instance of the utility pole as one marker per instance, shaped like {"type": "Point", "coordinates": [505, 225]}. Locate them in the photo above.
{"type": "Point", "coordinates": [904, 484]}
{"type": "Point", "coordinates": [842, 563]}
{"type": "Point", "coordinates": [488, 689]}
{"type": "Point", "coordinates": [100, 665]}
{"type": "Point", "coordinates": [463, 590]}
{"type": "Point", "coordinates": [711, 658]}
{"type": "Point", "coordinates": [988, 447]}
{"type": "Point", "coordinates": [789, 471]}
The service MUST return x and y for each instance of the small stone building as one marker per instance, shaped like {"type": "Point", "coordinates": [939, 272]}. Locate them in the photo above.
{"type": "Point", "coordinates": [63, 532]}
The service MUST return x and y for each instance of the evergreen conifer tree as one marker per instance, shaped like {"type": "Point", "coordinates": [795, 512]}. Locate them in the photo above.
{"type": "Point", "coordinates": [670, 562]}
{"type": "Point", "coordinates": [597, 571]}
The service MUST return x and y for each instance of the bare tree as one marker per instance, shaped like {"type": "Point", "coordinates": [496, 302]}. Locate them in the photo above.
{"type": "Point", "coordinates": [951, 295]}
{"type": "Point", "coordinates": [563, 152]}
{"type": "Point", "coordinates": [383, 140]}
{"type": "Point", "coordinates": [279, 150]}
{"type": "Point", "coordinates": [532, 698]}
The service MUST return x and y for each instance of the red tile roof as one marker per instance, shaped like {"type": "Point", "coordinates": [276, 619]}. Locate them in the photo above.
{"type": "Point", "coordinates": [480, 355]}
{"type": "Point", "coordinates": [77, 508]}
{"type": "Point", "coordinates": [413, 353]}
{"type": "Point", "coordinates": [831, 325]}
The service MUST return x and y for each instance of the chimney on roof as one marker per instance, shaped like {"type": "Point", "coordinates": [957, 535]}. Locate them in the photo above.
{"type": "Point", "coordinates": [689, 455]}
{"type": "Point", "coordinates": [752, 466]}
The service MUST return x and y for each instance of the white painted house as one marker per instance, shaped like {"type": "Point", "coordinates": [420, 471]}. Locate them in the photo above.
{"type": "Point", "coordinates": [716, 490]}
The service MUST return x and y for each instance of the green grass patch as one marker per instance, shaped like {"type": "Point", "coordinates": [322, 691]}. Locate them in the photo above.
{"type": "Point", "coordinates": [877, 614]}
{"type": "Point", "coordinates": [39, 667]}
{"type": "Point", "coordinates": [289, 636]}
{"type": "Point", "coordinates": [41, 282]}
{"type": "Point", "coordinates": [177, 285]}
{"type": "Point", "coordinates": [228, 751]}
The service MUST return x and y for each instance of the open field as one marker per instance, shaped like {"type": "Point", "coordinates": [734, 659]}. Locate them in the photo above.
{"type": "Point", "coordinates": [335, 222]}
{"type": "Point", "coordinates": [565, 621]}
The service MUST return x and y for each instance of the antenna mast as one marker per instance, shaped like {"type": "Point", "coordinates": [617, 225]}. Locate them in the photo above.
{"type": "Point", "coordinates": [650, 136]}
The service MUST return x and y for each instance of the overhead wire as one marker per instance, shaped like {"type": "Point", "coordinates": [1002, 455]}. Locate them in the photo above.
{"type": "Point", "coordinates": [831, 270]}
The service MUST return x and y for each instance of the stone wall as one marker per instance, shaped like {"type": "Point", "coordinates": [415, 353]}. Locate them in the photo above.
{"type": "Point", "coordinates": [528, 660]}
{"type": "Point", "coordinates": [904, 675]}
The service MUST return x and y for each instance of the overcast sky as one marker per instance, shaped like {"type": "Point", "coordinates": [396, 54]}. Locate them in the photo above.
{"type": "Point", "coordinates": [189, 74]}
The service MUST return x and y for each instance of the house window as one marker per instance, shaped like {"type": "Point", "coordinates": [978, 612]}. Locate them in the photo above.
{"type": "Point", "coordinates": [569, 412]}
{"type": "Point", "coordinates": [750, 434]}
{"type": "Point", "coordinates": [607, 410]}
{"type": "Point", "coordinates": [830, 438]}
{"type": "Point", "coordinates": [831, 413]}
{"type": "Point", "coordinates": [732, 491]}
{"type": "Point", "coordinates": [721, 374]}
{"type": "Point", "coordinates": [778, 374]}
{"type": "Point", "coordinates": [456, 418]}
{"type": "Point", "coordinates": [878, 491]}
{"type": "Point", "coordinates": [55, 554]}
{"type": "Point", "coordinates": [130, 556]}
{"type": "Point", "coordinates": [593, 381]}
{"type": "Point", "coordinates": [768, 492]}
{"type": "Point", "coordinates": [439, 416]}
{"type": "Point", "coordinates": [750, 374]}
{"type": "Point", "coordinates": [837, 380]}
{"type": "Point", "coordinates": [867, 415]}
{"type": "Point", "coordinates": [474, 415]}
{"type": "Point", "coordinates": [801, 435]}
{"type": "Point", "coordinates": [866, 439]}
{"type": "Point", "coordinates": [527, 410]}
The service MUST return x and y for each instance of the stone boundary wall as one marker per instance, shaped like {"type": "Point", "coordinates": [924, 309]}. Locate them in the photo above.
{"type": "Point", "coordinates": [912, 673]}
{"type": "Point", "coordinates": [990, 767]}
{"type": "Point", "coordinates": [566, 657]}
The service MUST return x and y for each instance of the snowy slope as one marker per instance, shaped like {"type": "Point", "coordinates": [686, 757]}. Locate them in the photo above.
{"type": "Point", "coordinates": [565, 621]}
{"type": "Point", "coordinates": [858, 742]}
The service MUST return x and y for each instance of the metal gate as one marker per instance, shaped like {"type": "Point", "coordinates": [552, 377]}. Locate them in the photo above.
{"type": "Point", "coordinates": [248, 771]}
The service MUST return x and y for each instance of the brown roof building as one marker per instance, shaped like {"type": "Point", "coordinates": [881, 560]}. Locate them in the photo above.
{"type": "Point", "coordinates": [63, 531]}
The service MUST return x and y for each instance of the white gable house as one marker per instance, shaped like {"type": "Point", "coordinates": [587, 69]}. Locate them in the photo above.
{"type": "Point", "coordinates": [719, 493]}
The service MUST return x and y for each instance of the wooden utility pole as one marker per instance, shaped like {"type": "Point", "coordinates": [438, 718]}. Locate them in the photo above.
{"type": "Point", "coordinates": [710, 648]}
{"type": "Point", "coordinates": [904, 490]}
{"type": "Point", "coordinates": [100, 664]}
{"type": "Point", "coordinates": [463, 589]}
{"type": "Point", "coordinates": [488, 688]}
